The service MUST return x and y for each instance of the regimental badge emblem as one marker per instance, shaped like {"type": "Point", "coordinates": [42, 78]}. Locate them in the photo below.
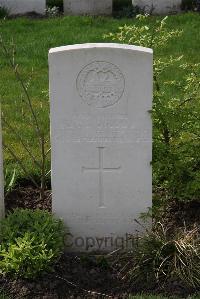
{"type": "Point", "coordinates": [100, 84]}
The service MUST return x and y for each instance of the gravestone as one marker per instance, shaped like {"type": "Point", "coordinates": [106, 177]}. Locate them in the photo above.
{"type": "Point", "coordinates": [159, 7]}
{"type": "Point", "coordinates": [88, 7]}
{"type": "Point", "coordinates": [101, 97]}
{"type": "Point", "coordinates": [1, 174]}
{"type": "Point", "coordinates": [24, 6]}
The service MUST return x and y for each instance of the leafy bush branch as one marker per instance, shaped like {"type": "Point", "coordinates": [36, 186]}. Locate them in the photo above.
{"type": "Point", "coordinates": [31, 241]}
{"type": "Point", "coordinates": [176, 110]}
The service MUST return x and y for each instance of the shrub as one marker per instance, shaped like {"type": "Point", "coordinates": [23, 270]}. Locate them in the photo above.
{"type": "Point", "coordinates": [125, 9]}
{"type": "Point", "coordinates": [176, 109]}
{"type": "Point", "coordinates": [188, 4]}
{"type": "Point", "coordinates": [120, 4]}
{"type": "Point", "coordinates": [3, 12]}
{"type": "Point", "coordinates": [31, 241]}
{"type": "Point", "coordinates": [127, 12]}
{"type": "Point", "coordinates": [52, 11]}
{"type": "Point", "coordinates": [55, 3]}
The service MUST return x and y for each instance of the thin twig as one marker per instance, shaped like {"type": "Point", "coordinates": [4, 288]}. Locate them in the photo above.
{"type": "Point", "coordinates": [48, 172]}
{"type": "Point", "coordinates": [21, 164]}
{"type": "Point", "coordinates": [39, 133]}
{"type": "Point", "coordinates": [22, 142]}
{"type": "Point", "coordinates": [42, 187]}
{"type": "Point", "coordinates": [15, 69]}
{"type": "Point", "coordinates": [82, 289]}
{"type": "Point", "coordinates": [47, 152]}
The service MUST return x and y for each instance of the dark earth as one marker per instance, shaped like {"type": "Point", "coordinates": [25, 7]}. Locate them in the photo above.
{"type": "Point", "coordinates": [90, 276]}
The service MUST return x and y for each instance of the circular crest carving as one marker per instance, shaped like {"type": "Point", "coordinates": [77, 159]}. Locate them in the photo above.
{"type": "Point", "coordinates": [100, 84]}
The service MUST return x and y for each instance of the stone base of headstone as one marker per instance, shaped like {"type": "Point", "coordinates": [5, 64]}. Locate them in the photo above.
{"type": "Point", "coordinates": [159, 7]}
{"type": "Point", "coordinates": [15, 7]}
{"type": "Point", "coordinates": [88, 7]}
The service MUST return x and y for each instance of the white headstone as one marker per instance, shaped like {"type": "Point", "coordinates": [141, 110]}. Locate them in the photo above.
{"type": "Point", "coordinates": [101, 97]}
{"type": "Point", "coordinates": [159, 7]}
{"type": "Point", "coordinates": [1, 174]}
{"type": "Point", "coordinates": [88, 7]}
{"type": "Point", "coordinates": [24, 6]}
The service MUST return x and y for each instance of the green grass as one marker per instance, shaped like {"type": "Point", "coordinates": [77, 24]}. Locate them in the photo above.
{"type": "Point", "coordinates": [33, 39]}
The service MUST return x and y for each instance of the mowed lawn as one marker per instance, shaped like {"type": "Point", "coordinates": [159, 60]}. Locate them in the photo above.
{"type": "Point", "coordinates": [31, 40]}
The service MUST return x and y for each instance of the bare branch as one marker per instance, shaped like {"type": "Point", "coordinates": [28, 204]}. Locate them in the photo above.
{"type": "Point", "coordinates": [15, 69]}
{"type": "Point", "coordinates": [22, 142]}
{"type": "Point", "coordinates": [21, 164]}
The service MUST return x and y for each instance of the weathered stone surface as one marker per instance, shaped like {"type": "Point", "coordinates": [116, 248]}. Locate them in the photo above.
{"type": "Point", "coordinates": [159, 6]}
{"type": "Point", "coordinates": [24, 6]}
{"type": "Point", "coordinates": [88, 7]}
{"type": "Point", "coordinates": [101, 129]}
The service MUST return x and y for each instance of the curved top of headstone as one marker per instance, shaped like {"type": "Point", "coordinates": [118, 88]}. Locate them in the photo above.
{"type": "Point", "coordinates": [100, 45]}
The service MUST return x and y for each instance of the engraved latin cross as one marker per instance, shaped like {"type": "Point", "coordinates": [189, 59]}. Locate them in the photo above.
{"type": "Point", "coordinates": [100, 170]}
